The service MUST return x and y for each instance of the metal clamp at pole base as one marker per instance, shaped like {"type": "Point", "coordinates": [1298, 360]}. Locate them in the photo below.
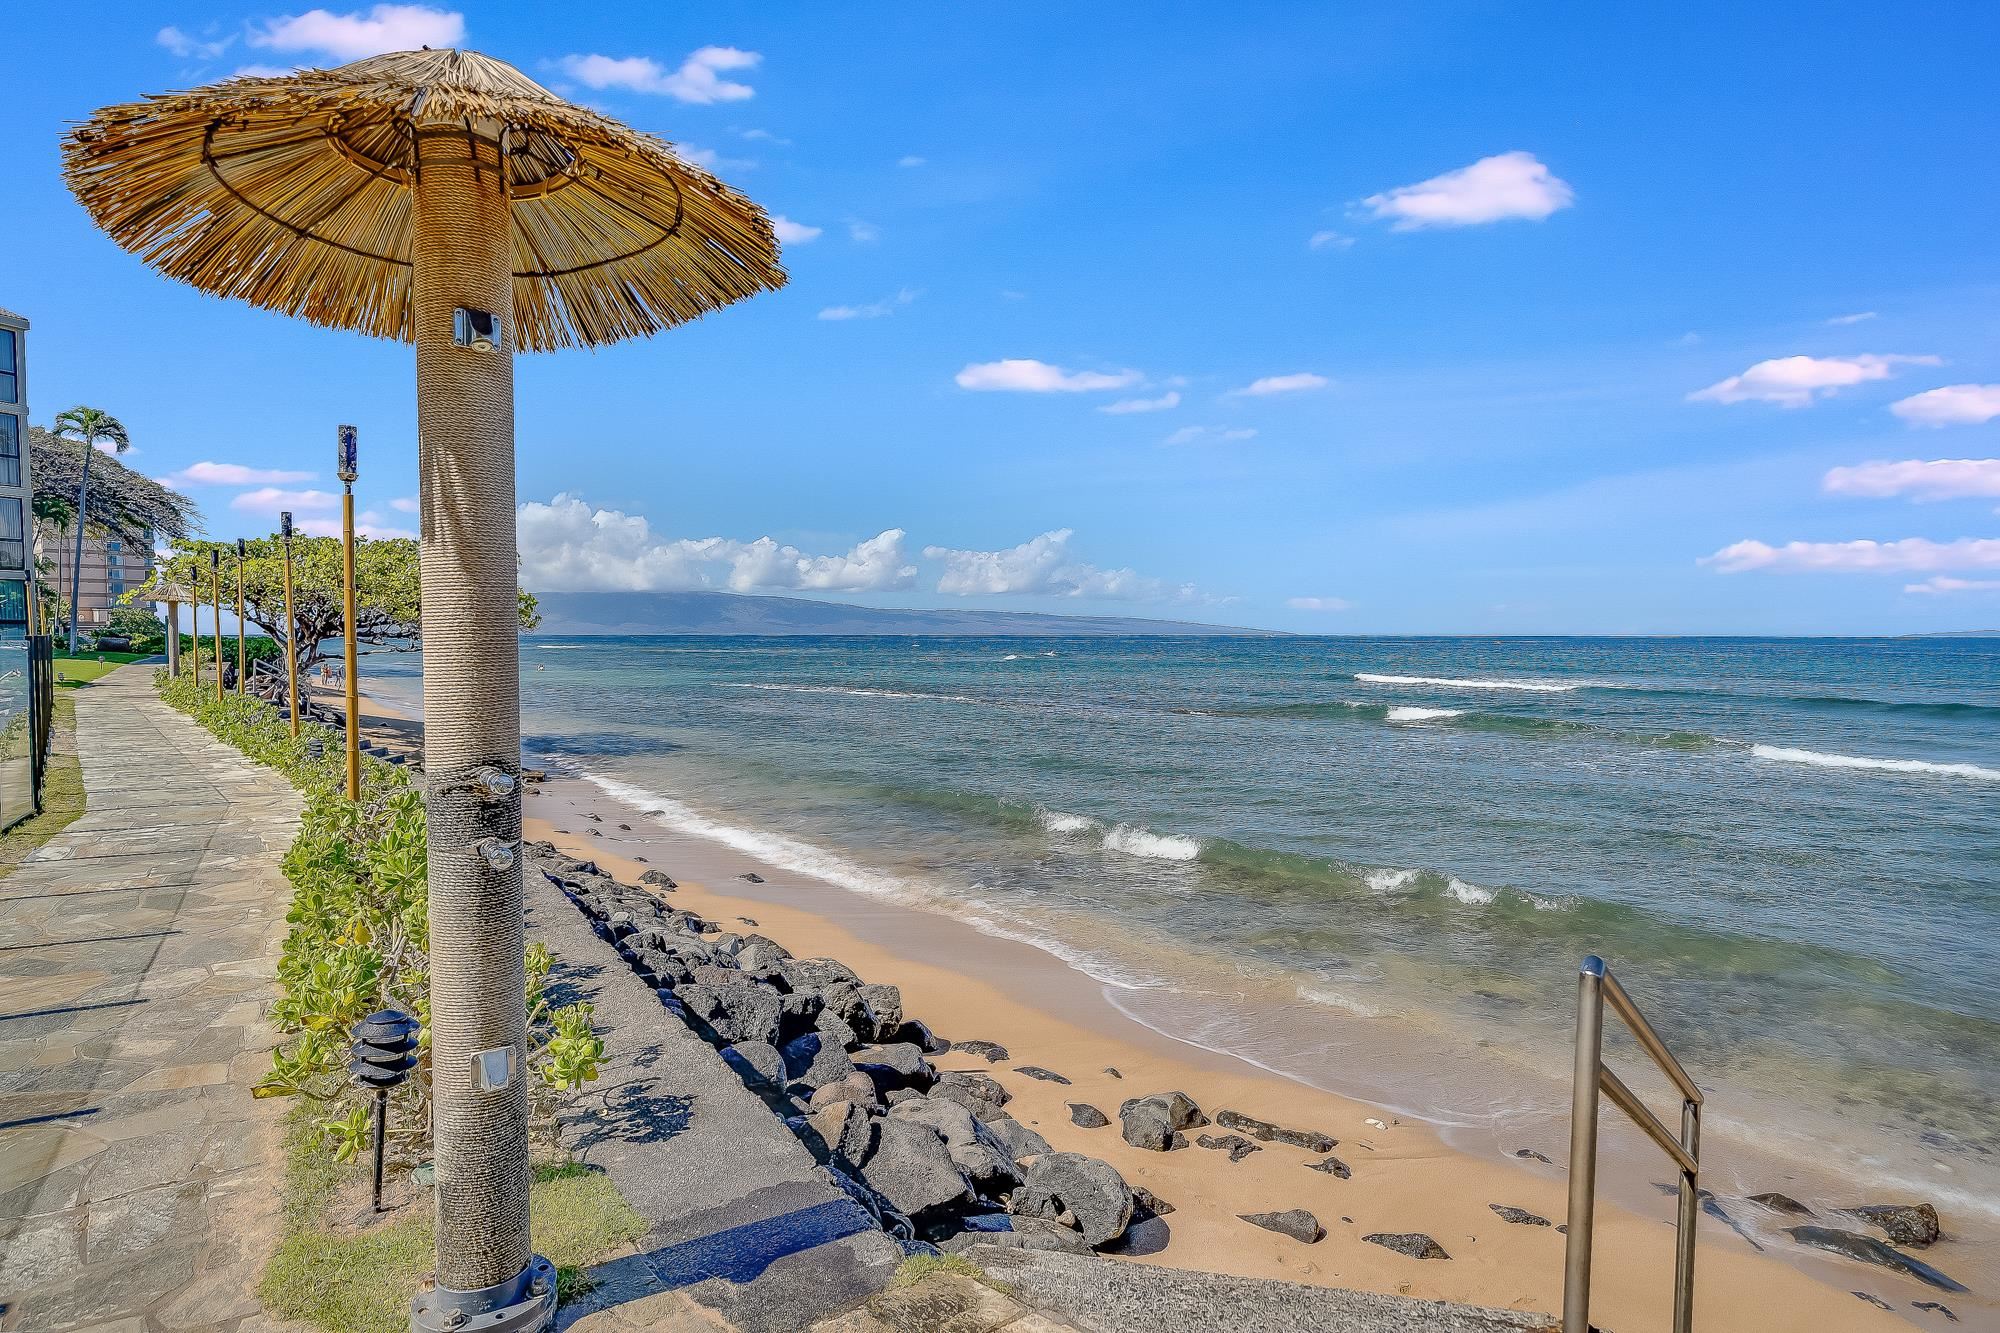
{"type": "Point", "coordinates": [525, 1303]}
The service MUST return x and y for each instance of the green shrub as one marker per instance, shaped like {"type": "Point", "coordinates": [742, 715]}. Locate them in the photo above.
{"type": "Point", "coordinates": [360, 929]}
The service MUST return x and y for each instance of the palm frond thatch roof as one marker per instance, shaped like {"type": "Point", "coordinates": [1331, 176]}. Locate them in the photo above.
{"type": "Point", "coordinates": [291, 193]}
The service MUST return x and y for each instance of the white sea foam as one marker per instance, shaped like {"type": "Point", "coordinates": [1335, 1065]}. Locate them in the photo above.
{"type": "Point", "coordinates": [1534, 686]}
{"type": "Point", "coordinates": [1410, 714]}
{"type": "Point", "coordinates": [776, 849]}
{"type": "Point", "coordinates": [1925, 766]}
{"type": "Point", "coordinates": [1059, 821]}
{"type": "Point", "coordinates": [1011, 657]}
{"type": "Point", "coordinates": [1390, 881]}
{"type": "Point", "coordinates": [1160, 846]}
{"type": "Point", "coordinates": [988, 919]}
{"type": "Point", "coordinates": [1334, 999]}
{"type": "Point", "coordinates": [1470, 894]}
{"type": "Point", "coordinates": [855, 690]}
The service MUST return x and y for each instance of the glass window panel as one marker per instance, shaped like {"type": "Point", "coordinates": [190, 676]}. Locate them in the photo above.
{"type": "Point", "coordinates": [8, 362]}
{"type": "Point", "coordinates": [12, 556]}
{"type": "Point", "coordinates": [10, 388]}
{"type": "Point", "coordinates": [10, 449]}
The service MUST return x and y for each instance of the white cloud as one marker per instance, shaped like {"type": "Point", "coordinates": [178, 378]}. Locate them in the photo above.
{"type": "Point", "coordinates": [1910, 555]}
{"type": "Point", "coordinates": [1507, 185]}
{"type": "Point", "coordinates": [567, 545]}
{"type": "Point", "coordinates": [1319, 604]}
{"type": "Point", "coordinates": [863, 233]}
{"type": "Point", "coordinates": [1795, 381]}
{"type": "Point", "coordinates": [793, 233]}
{"type": "Point", "coordinates": [708, 159]}
{"type": "Point", "coordinates": [367, 524]}
{"type": "Point", "coordinates": [764, 136]}
{"type": "Point", "coordinates": [271, 499]}
{"type": "Point", "coordinates": [352, 36]}
{"type": "Point", "coordinates": [1329, 240]}
{"type": "Point", "coordinates": [1270, 384]}
{"type": "Point", "coordinates": [1025, 376]}
{"type": "Point", "coordinates": [1042, 566]}
{"type": "Point", "coordinates": [1125, 406]}
{"type": "Point", "coordinates": [1857, 318]}
{"type": "Point", "coordinates": [873, 310]}
{"type": "Point", "coordinates": [1919, 478]}
{"type": "Point", "coordinates": [404, 504]}
{"type": "Point", "coordinates": [188, 47]}
{"type": "Point", "coordinates": [264, 71]}
{"type": "Point", "coordinates": [698, 80]}
{"type": "Point", "coordinates": [1211, 435]}
{"type": "Point", "coordinates": [1939, 585]}
{"type": "Point", "coordinates": [233, 474]}
{"type": "Point", "coordinates": [1953, 405]}
{"type": "Point", "coordinates": [911, 160]}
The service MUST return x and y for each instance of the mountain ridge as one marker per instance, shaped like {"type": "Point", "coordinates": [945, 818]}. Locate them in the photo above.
{"type": "Point", "coordinates": [587, 614]}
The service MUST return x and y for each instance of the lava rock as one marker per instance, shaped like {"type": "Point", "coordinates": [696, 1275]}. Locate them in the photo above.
{"type": "Point", "coordinates": [909, 1165]}
{"type": "Point", "coordinates": [1237, 1146]}
{"type": "Point", "coordinates": [885, 1005]}
{"type": "Point", "coordinates": [980, 1094]}
{"type": "Point", "coordinates": [856, 1087]}
{"type": "Point", "coordinates": [593, 818]}
{"type": "Point", "coordinates": [659, 879]}
{"type": "Point", "coordinates": [1045, 1075]}
{"type": "Point", "coordinates": [1310, 1140]}
{"type": "Point", "coordinates": [756, 1062]}
{"type": "Point", "coordinates": [814, 973]}
{"type": "Point", "coordinates": [990, 1051]}
{"type": "Point", "coordinates": [1085, 1116]}
{"type": "Point", "coordinates": [901, 1058]}
{"type": "Point", "coordinates": [812, 1062]}
{"type": "Point", "coordinates": [1532, 1155]}
{"type": "Point", "coordinates": [1875, 1301]}
{"type": "Point", "coordinates": [752, 877]}
{"type": "Point", "coordinates": [1088, 1190]}
{"type": "Point", "coordinates": [1782, 1203]}
{"type": "Point", "coordinates": [1297, 1223]}
{"type": "Point", "coordinates": [1021, 1233]}
{"type": "Point", "coordinates": [1905, 1223]}
{"type": "Point", "coordinates": [1015, 1137]}
{"type": "Point", "coordinates": [743, 1012]}
{"type": "Point", "coordinates": [1871, 1251]}
{"type": "Point", "coordinates": [1113, 1072]}
{"type": "Point", "coordinates": [1154, 1122]}
{"type": "Point", "coordinates": [1520, 1217]}
{"type": "Point", "coordinates": [1145, 1201]}
{"type": "Point", "coordinates": [1415, 1244]}
{"type": "Point", "coordinates": [920, 1036]}
{"type": "Point", "coordinates": [839, 1134]}
{"type": "Point", "coordinates": [1944, 1310]}
{"type": "Point", "coordinates": [1332, 1166]}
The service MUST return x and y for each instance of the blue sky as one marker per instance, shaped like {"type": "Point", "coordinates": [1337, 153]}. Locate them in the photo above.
{"type": "Point", "coordinates": [1441, 318]}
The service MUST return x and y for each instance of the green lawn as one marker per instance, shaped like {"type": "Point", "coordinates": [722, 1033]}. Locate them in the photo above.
{"type": "Point", "coordinates": [361, 1282]}
{"type": "Point", "coordinates": [62, 793]}
{"type": "Point", "coordinates": [75, 671]}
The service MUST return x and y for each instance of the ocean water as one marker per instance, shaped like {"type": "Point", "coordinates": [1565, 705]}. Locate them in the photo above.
{"type": "Point", "coordinates": [1790, 849]}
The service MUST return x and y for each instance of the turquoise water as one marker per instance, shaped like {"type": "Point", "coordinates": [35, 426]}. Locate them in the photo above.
{"type": "Point", "coordinates": [1790, 848]}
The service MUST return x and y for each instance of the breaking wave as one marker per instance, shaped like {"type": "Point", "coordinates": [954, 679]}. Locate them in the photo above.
{"type": "Point", "coordinates": [1159, 846]}
{"type": "Point", "coordinates": [1450, 682]}
{"type": "Point", "coordinates": [1922, 766]}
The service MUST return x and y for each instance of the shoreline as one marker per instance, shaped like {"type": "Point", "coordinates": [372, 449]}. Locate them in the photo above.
{"type": "Point", "coordinates": [1408, 1175]}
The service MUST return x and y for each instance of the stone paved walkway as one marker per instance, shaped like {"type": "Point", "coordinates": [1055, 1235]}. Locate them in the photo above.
{"type": "Point", "coordinates": [138, 1180]}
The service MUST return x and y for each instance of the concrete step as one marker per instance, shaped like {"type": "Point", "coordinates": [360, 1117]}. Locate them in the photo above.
{"type": "Point", "coordinates": [1100, 1295]}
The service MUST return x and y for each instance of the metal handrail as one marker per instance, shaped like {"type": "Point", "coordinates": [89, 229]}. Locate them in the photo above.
{"type": "Point", "coordinates": [1596, 985]}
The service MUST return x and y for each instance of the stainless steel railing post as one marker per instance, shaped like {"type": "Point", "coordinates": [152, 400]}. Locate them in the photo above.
{"type": "Point", "coordinates": [1583, 1144]}
{"type": "Point", "coordinates": [1685, 1226]}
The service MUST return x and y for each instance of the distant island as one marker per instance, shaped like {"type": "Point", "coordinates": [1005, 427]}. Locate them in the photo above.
{"type": "Point", "coordinates": [724, 613]}
{"type": "Point", "coordinates": [1958, 634]}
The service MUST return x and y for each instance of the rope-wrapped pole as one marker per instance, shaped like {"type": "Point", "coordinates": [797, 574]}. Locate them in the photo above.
{"type": "Point", "coordinates": [291, 630]}
{"type": "Point", "coordinates": [472, 734]}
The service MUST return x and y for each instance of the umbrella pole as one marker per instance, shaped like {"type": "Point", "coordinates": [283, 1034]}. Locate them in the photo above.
{"type": "Point", "coordinates": [462, 259]}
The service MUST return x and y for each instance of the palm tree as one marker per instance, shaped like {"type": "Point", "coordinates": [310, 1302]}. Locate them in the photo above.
{"type": "Point", "coordinates": [90, 425]}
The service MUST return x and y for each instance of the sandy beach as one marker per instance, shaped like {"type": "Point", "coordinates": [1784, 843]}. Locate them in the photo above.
{"type": "Point", "coordinates": [1405, 1177]}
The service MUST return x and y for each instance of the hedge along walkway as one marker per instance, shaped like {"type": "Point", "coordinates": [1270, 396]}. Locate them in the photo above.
{"type": "Point", "coordinates": [138, 1179]}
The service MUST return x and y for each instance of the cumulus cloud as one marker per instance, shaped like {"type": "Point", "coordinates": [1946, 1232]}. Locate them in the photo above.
{"type": "Point", "coordinates": [1211, 435]}
{"type": "Point", "coordinates": [271, 499]}
{"type": "Point", "coordinates": [873, 310]}
{"type": "Point", "coordinates": [1796, 381]}
{"type": "Point", "coordinates": [1939, 585]}
{"type": "Point", "coordinates": [404, 504]}
{"type": "Point", "coordinates": [699, 79]}
{"type": "Point", "coordinates": [1329, 240]}
{"type": "Point", "coordinates": [567, 545]}
{"type": "Point", "coordinates": [1910, 555]}
{"type": "Point", "coordinates": [1043, 566]}
{"type": "Point", "coordinates": [1125, 406]}
{"type": "Point", "coordinates": [1919, 478]}
{"type": "Point", "coordinates": [1953, 405]}
{"type": "Point", "coordinates": [1857, 318]}
{"type": "Point", "coordinates": [1493, 189]}
{"type": "Point", "coordinates": [863, 233]}
{"type": "Point", "coordinates": [363, 33]}
{"type": "Point", "coordinates": [1026, 376]}
{"type": "Point", "coordinates": [1319, 604]}
{"type": "Point", "coordinates": [233, 474]}
{"type": "Point", "coordinates": [1272, 384]}
{"type": "Point", "coordinates": [189, 47]}
{"type": "Point", "coordinates": [793, 233]}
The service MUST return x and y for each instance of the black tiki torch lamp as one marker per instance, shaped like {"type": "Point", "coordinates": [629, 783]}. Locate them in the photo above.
{"type": "Point", "coordinates": [385, 1051]}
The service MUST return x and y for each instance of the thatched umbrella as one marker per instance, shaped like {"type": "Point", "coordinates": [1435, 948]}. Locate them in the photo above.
{"type": "Point", "coordinates": [161, 588]}
{"type": "Point", "coordinates": [443, 198]}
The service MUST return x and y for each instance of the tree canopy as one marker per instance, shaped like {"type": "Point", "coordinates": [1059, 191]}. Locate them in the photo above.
{"type": "Point", "coordinates": [123, 503]}
{"type": "Point", "coordinates": [388, 597]}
